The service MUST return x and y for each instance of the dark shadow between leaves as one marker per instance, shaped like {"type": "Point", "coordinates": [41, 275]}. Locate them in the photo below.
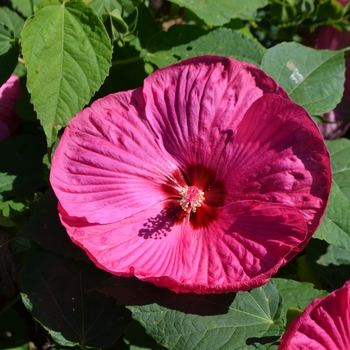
{"type": "Point", "coordinates": [54, 288]}
{"type": "Point", "coordinates": [255, 341]}
{"type": "Point", "coordinates": [21, 157]}
{"type": "Point", "coordinates": [335, 271]}
{"type": "Point", "coordinates": [176, 35]}
{"type": "Point", "coordinates": [133, 292]}
{"type": "Point", "coordinates": [45, 228]}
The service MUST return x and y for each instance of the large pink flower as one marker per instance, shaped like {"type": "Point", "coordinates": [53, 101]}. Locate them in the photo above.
{"type": "Point", "coordinates": [207, 179]}
{"type": "Point", "coordinates": [10, 92]}
{"type": "Point", "coordinates": [324, 325]}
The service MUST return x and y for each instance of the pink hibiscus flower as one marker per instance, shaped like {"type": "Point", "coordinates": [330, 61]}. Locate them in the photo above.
{"type": "Point", "coordinates": [10, 92]}
{"type": "Point", "coordinates": [324, 325]}
{"type": "Point", "coordinates": [207, 179]}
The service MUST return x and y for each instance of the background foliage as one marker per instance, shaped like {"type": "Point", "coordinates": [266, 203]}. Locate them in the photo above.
{"type": "Point", "coordinates": [71, 52]}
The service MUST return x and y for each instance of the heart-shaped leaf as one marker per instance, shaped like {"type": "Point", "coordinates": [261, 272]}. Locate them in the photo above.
{"type": "Point", "coordinates": [312, 78]}
{"type": "Point", "coordinates": [251, 320]}
{"type": "Point", "coordinates": [57, 292]}
{"type": "Point", "coordinates": [67, 53]}
{"type": "Point", "coordinates": [246, 320]}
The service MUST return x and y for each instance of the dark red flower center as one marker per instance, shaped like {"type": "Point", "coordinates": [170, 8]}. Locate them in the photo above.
{"type": "Point", "coordinates": [198, 189]}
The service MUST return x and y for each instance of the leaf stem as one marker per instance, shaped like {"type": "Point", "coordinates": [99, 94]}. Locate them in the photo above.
{"type": "Point", "coordinates": [126, 61]}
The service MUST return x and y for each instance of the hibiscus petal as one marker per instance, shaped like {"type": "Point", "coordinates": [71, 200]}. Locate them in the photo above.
{"type": "Point", "coordinates": [324, 325]}
{"type": "Point", "coordinates": [240, 250]}
{"type": "Point", "coordinates": [152, 243]}
{"type": "Point", "coordinates": [330, 38]}
{"type": "Point", "coordinates": [193, 106]}
{"type": "Point", "coordinates": [244, 246]}
{"type": "Point", "coordinates": [10, 92]}
{"type": "Point", "coordinates": [278, 155]}
{"type": "Point", "coordinates": [108, 165]}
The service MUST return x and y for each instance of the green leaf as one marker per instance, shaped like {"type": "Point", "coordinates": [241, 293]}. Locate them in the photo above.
{"type": "Point", "coordinates": [67, 53]}
{"type": "Point", "coordinates": [119, 23]}
{"type": "Point", "coordinates": [11, 20]}
{"type": "Point", "coordinates": [330, 9]}
{"type": "Point", "coordinates": [25, 7]}
{"type": "Point", "coordinates": [126, 7]}
{"type": "Point", "coordinates": [116, 27]}
{"type": "Point", "coordinates": [137, 339]}
{"type": "Point", "coordinates": [105, 6]}
{"type": "Point", "coordinates": [9, 51]}
{"type": "Point", "coordinates": [312, 78]}
{"type": "Point", "coordinates": [6, 182]}
{"type": "Point", "coordinates": [217, 13]}
{"type": "Point", "coordinates": [292, 314]}
{"type": "Point", "coordinates": [185, 41]}
{"type": "Point", "coordinates": [252, 319]}
{"type": "Point", "coordinates": [57, 291]}
{"type": "Point", "coordinates": [12, 210]}
{"type": "Point", "coordinates": [336, 256]}
{"type": "Point", "coordinates": [335, 226]}
{"type": "Point", "coordinates": [340, 155]}
{"type": "Point", "coordinates": [296, 294]}
{"type": "Point", "coordinates": [283, 11]}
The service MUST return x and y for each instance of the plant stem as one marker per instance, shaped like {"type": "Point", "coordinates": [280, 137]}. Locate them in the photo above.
{"type": "Point", "coordinates": [126, 61]}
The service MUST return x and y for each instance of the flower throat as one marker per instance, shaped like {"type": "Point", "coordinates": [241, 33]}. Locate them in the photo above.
{"type": "Point", "coordinates": [191, 198]}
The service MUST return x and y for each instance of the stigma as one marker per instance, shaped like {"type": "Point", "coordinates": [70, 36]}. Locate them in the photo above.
{"type": "Point", "coordinates": [191, 198]}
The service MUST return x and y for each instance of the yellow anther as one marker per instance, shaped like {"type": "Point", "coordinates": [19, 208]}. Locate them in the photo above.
{"type": "Point", "coordinates": [191, 197]}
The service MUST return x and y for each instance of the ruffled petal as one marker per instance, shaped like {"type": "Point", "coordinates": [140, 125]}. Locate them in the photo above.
{"type": "Point", "coordinates": [108, 165]}
{"type": "Point", "coordinates": [240, 250]}
{"type": "Point", "coordinates": [278, 155]}
{"type": "Point", "coordinates": [194, 106]}
{"type": "Point", "coordinates": [324, 325]}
